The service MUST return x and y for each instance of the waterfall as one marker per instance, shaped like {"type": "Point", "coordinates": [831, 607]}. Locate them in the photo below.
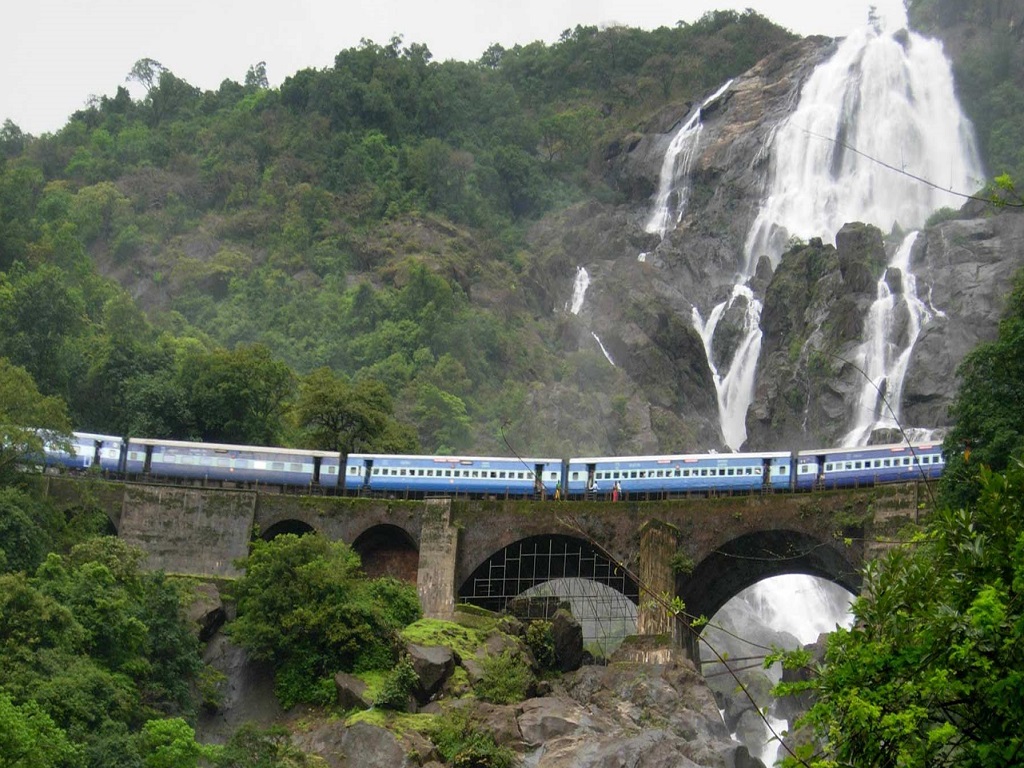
{"type": "Point", "coordinates": [881, 111]}
{"type": "Point", "coordinates": [603, 350]}
{"type": "Point", "coordinates": [579, 290]}
{"type": "Point", "coordinates": [674, 178]}
{"type": "Point", "coordinates": [737, 384]}
{"type": "Point", "coordinates": [885, 354]}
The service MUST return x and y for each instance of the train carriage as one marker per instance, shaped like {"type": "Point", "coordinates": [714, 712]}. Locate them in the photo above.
{"type": "Point", "coordinates": [675, 474]}
{"type": "Point", "coordinates": [227, 463]}
{"type": "Point", "coordinates": [471, 475]}
{"type": "Point", "coordinates": [868, 465]}
{"type": "Point", "coordinates": [88, 450]}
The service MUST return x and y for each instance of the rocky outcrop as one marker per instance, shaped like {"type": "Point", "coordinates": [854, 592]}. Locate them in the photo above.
{"type": "Point", "coordinates": [642, 715]}
{"type": "Point", "coordinates": [813, 324]}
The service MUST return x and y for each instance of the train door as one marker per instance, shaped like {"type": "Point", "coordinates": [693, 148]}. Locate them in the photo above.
{"type": "Point", "coordinates": [540, 489]}
{"type": "Point", "coordinates": [766, 473]}
{"type": "Point", "coordinates": [364, 484]}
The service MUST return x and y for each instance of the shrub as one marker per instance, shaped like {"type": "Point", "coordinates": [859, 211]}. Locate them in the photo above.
{"type": "Point", "coordinates": [398, 684]}
{"type": "Point", "coordinates": [541, 643]}
{"type": "Point", "coordinates": [463, 743]}
{"type": "Point", "coordinates": [506, 679]}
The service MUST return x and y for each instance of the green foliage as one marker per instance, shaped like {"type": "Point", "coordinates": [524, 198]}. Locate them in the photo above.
{"type": "Point", "coordinates": [463, 742]}
{"type": "Point", "coordinates": [338, 415]}
{"type": "Point", "coordinates": [97, 646]}
{"type": "Point", "coordinates": [28, 530]}
{"type": "Point", "coordinates": [171, 743]}
{"type": "Point", "coordinates": [506, 679]}
{"type": "Point", "coordinates": [931, 672]}
{"type": "Point", "coordinates": [541, 643]}
{"type": "Point", "coordinates": [398, 685]}
{"type": "Point", "coordinates": [304, 605]}
{"type": "Point", "coordinates": [252, 747]}
{"type": "Point", "coordinates": [30, 739]}
{"type": "Point", "coordinates": [682, 562]}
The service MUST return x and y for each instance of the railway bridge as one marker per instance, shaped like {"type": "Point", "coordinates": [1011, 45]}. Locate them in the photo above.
{"type": "Point", "coordinates": [704, 550]}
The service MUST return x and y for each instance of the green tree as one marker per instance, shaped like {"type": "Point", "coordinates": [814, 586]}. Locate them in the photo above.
{"type": "Point", "coordinates": [238, 396]}
{"type": "Point", "coordinates": [988, 412]}
{"type": "Point", "coordinates": [442, 419]}
{"type": "Point", "coordinates": [30, 739]}
{"type": "Point", "coordinates": [338, 415]}
{"type": "Point", "coordinates": [27, 420]}
{"type": "Point", "coordinates": [932, 670]}
{"type": "Point", "coordinates": [304, 605]}
{"type": "Point", "coordinates": [171, 743]}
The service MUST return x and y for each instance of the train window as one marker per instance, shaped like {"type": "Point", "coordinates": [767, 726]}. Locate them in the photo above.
{"type": "Point", "coordinates": [575, 475]}
{"type": "Point", "coordinates": [906, 461]}
{"type": "Point", "coordinates": [277, 466]}
{"type": "Point", "coordinates": [848, 465]}
{"type": "Point", "coordinates": [677, 472]}
{"type": "Point", "coordinates": [447, 473]}
{"type": "Point", "coordinates": [757, 470]}
{"type": "Point", "coordinates": [553, 476]}
{"type": "Point", "coordinates": [295, 467]}
{"type": "Point", "coordinates": [633, 475]}
{"type": "Point", "coordinates": [493, 474]}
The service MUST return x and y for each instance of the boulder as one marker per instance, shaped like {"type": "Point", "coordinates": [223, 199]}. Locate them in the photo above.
{"type": "Point", "coordinates": [434, 664]}
{"type": "Point", "coordinates": [545, 719]}
{"type": "Point", "coordinates": [568, 637]}
{"type": "Point", "coordinates": [351, 692]}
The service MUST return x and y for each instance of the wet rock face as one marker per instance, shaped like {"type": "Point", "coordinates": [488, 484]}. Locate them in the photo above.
{"type": "Point", "coordinates": [645, 291]}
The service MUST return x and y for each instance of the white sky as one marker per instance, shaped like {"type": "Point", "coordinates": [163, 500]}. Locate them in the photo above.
{"type": "Point", "coordinates": [54, 54]}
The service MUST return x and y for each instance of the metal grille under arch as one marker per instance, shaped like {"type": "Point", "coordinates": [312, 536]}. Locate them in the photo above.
{"type": "Point", "coordinates": [603, 598]}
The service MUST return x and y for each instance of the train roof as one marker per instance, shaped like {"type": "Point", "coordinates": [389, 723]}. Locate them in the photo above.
{"type": "Point", "coordinates": [453, 459]}
{"type": "Point", "coordinates": [886, 448]}
{"type": "Point", "coordinates": [669, 458]}
{"type": "Point", "coordinates": [95, 436]}
{"type": "Point", "coordinates": [227, 447]}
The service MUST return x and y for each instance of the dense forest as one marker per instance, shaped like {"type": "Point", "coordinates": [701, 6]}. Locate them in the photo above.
{"type": "Point", "coordinates": [211, 265]}
{"type": "Point", "coordinates": [341, 263]}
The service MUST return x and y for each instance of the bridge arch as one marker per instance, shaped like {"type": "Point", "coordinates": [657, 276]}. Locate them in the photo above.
{"type": "Point", "coordinates": [296, 527]}
{"type": "Point", "coordinates": [388, 550]}
{"type": "Point", "coordinates": [551, 569]}
{"type": "Point", "coordinates": [747, 559]}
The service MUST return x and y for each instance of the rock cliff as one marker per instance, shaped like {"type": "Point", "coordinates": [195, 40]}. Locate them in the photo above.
{"type": "Point", "coordinates": [644, 291]}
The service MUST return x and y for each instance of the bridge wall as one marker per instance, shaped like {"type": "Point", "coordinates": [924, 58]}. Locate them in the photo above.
{"type": "Point", "coordinates": [704, 550]}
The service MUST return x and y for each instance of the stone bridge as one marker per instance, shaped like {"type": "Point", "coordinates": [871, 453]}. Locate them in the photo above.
{"type": "Point", "coordinates": [703, 550]}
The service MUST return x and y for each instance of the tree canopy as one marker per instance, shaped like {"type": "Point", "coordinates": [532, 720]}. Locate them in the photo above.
{"type": "Point", "coordinates": [305, 606]}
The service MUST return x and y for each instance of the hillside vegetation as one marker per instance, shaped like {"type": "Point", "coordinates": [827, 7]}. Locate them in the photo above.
{"type": "Point", "coordinates": [178, 265]}
{"type": "Point", "coordinates": [342, 262]}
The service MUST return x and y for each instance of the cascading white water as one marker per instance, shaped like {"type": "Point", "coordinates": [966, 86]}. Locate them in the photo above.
{"type": "Point", "coordinates": [579, 290]}
{"type": "Point", "coordinates": [879, 113]}
{"type": "Point", "coordinates": [603, 350]}
{"type": "Point", "coordinates": [885, 354]}
{"type": "Point", "coordinates": [738, 381]}
{"type": "Point", "coordinates": [674, 179]}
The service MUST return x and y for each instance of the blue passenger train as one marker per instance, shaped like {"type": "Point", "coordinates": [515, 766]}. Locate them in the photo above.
{"type": "Point", "coordinates": [409, 476]}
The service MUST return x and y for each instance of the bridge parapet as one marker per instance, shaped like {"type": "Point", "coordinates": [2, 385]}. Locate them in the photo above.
{"type": "Point", "coordinates": [704, 550]}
